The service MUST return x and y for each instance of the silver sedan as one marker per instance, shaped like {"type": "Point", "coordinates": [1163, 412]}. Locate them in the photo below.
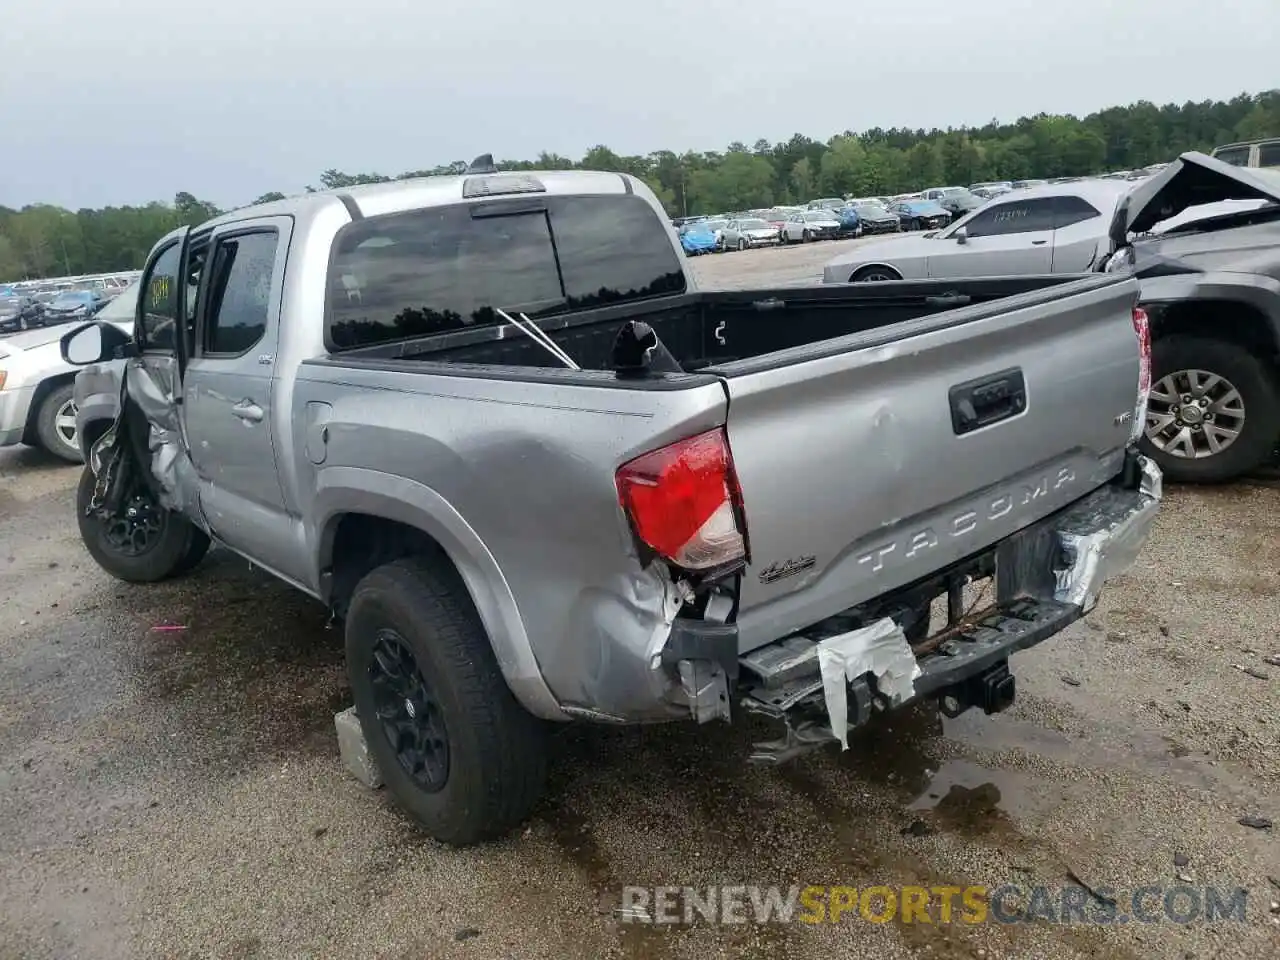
{"type": "Point", "coordinates": [1052, 229]}
{"type": "Point", "coordinates": [749, 232]}
{"type": "Point", "coordinates": [810, 225]}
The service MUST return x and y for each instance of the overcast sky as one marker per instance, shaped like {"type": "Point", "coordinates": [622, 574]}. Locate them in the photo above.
{"type": "Point", "coordinates": [134, 100]}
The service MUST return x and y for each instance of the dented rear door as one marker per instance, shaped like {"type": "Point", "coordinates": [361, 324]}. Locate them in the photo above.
{"type": "Point", "coordinates": [874, 460]}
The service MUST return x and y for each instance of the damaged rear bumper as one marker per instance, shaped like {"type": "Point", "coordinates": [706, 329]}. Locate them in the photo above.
{"type": "Point", "coordinates": [833, 676]}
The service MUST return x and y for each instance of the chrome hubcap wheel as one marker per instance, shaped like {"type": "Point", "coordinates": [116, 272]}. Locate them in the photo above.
{"type": "Point", "coordinates": [875, 277]}
{"type": "Point", "coordinates": [64, 424]}
{"type": "Point", "coordinates": [1193, 414]}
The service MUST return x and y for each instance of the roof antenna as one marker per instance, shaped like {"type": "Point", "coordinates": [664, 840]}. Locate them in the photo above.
{"type": "Point", "coordinates": [482, 164]}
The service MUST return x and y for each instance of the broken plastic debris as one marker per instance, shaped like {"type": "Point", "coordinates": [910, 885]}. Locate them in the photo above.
{"type": "Point", "coordinates": [1255, 823]}
{"type": "Point", "coordinates": [168, 627]}
{"type": "Point", "coordinates": [880, 650]}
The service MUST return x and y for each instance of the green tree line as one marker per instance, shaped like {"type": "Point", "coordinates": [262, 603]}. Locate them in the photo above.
{"type": "Point", "coordinates": [42, 240]}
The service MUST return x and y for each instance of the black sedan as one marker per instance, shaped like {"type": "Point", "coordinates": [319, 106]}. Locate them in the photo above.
{"type": "Point", "coordinates": [19, 313]}
{"type": "Point", "coordinates": [921, 214]}
{"type": "Point", "coordinates": [875, 218]}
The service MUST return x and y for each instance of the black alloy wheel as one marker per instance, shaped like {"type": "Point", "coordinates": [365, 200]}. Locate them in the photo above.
{"type": "Point", "coordinates": [408, 712]}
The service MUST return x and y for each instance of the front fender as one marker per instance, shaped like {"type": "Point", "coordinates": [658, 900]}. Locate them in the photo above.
{"type": "Point", "coordinates": [342, 490]}
{"type": "Point", "coordinates": [1259, 292]}
{"type": "Point", "coordinates": [97, 396]}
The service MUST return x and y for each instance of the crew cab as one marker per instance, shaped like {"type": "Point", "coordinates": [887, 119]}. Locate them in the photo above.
{"type": "Point", "coordinates": [490, 421]}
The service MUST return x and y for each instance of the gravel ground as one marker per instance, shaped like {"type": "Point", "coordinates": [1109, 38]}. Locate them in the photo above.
{"type": "Point", "coordinates": [179, 794]}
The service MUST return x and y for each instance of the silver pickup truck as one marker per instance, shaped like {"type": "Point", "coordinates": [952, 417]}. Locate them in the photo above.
{"type": "Point", "coordinates": [489, 421]}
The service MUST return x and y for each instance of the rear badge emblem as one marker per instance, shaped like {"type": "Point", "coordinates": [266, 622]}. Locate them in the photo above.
{"type": "Point", "coordinates": [788, 568]}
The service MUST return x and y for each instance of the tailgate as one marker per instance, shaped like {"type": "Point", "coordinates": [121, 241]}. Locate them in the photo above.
{"type": "Point", "coordinates": [873, 460]}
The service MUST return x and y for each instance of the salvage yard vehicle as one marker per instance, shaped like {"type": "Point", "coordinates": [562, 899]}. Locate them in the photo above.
{"type": "Point", "coordinates": [875, 217]}
{"type": "Point", "coordinates": [19, 312]}
{"type": "Point", "coordinates": [1052, 229]}
{"type": "Point", "coordinates": [810, 225]}
{"type": "Point", "coordinates": [72, 305]}
{"type": "Point", "coordinates": [957, 201]}
{"type": "Point", "coordinates": [921, 214]}
{"type": "Point", "coordinates": [749, 232]}
{"type": "Point", "coordinates": [36, 406]}
{"type": "Point", "coordinates": [1211, 285]}
{"type": "Point", "coordinates": [491, 423]}
{"type": "Point", "coordinates": [698, 238]}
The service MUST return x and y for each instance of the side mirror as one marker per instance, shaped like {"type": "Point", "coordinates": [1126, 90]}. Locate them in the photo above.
{"type": "Point", "coordinates": [961, 236]}
{"type": "Point", "coordinates": [92, 343]}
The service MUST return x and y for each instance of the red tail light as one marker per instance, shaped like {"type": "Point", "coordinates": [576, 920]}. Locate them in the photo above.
{"type": "Point", "coordinates": [1142, 330]}
{"type": "Point", "coordinates": [684, 502]}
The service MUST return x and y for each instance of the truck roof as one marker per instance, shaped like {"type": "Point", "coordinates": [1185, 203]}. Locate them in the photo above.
{"type": "Point", "coordinates": [415, 193]}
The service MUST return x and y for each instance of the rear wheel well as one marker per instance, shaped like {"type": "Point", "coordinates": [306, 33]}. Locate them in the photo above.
{"type": "Point", "coordinates": [871, 269]}
{"type": "Point", "coordinates": [363, 542]}
{"type": "Point", "coordinates": [43, 389]}
{"type": "Point", "coordinates": [1231, 320]}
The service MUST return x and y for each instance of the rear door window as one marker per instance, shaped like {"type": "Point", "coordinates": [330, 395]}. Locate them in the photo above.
{"type": "Point", "coordinates": [442, 269]}
{"type": "Point", "coordinates": [1070, 210]}
{"type": "Point", "coordinates": [240, 292]}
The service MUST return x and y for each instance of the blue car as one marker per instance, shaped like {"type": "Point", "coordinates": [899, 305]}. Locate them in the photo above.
{"type": "Point", "coordinates": [921, 214]}
{"type": "Point", "coordinates": [698, 238]}
{"type": "Point", "coordinates": [73, 305]}
{"type": "Point", "coordinates": [850, 222]}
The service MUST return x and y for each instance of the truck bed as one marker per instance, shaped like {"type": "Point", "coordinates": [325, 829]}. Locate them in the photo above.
{"type": "Point", "coordinates": [720, 328]}
{"type": "Point", "coordinates": [845, 409]}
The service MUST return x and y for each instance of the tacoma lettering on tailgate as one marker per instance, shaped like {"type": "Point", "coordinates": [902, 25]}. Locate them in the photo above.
{"type": "Point", "coordinates": [966, 522]}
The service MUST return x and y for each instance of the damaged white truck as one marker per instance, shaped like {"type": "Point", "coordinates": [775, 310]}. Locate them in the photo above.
{"type": "Point", "coordinates": [489, 421]}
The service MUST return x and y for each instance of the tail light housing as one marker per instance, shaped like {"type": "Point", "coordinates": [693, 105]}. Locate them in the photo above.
{"type": "Point", "coordinates": [684, 502]}
{"type": "Point", "coordinates": [1142, 330]}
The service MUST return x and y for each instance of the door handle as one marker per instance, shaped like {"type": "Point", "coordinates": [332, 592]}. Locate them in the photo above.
{"type": "Point", "coordinates": [1038, 243]}
{"type": "Point", "coordinates": [248, 410]}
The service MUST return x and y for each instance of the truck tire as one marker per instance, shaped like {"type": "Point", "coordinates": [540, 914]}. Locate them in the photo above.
{"type": "Point", "coordinates": [1240, 412]}
{"type": "Point", "coordinates": [455, 749]}
{"type": "Point", "coordinates": [56, 425]}
{"type": "Point", "coordinates": [196, 550]}
{"type": "Point", "coordinates": [152, 545]}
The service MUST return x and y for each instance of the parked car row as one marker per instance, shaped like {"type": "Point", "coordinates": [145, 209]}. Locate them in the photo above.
{"type": "Point", "coordinates": [929, 209]}
{"type": "Point", "coordinates": [784, 225]}
{"type": "Point", "coordinates": [107, 285]}
{"type": "Point", "coordinates": [19, 311]}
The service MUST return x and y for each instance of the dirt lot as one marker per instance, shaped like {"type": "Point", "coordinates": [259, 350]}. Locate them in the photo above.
{"type": "Point", "coordinates": [179, 794]}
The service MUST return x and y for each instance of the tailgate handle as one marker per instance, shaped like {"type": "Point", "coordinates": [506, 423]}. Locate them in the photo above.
{"type": "Point", "coordinates": [987, 400]}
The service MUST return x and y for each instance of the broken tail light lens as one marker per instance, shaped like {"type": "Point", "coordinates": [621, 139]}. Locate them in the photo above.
{"type": "Point", "coordinates": [684, 502]}
{"type": "Point", "coordinates": [1142, 330]}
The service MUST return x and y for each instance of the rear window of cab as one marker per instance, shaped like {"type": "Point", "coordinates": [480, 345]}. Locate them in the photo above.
{"type": "Point", "coordinates": [441, 269]}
